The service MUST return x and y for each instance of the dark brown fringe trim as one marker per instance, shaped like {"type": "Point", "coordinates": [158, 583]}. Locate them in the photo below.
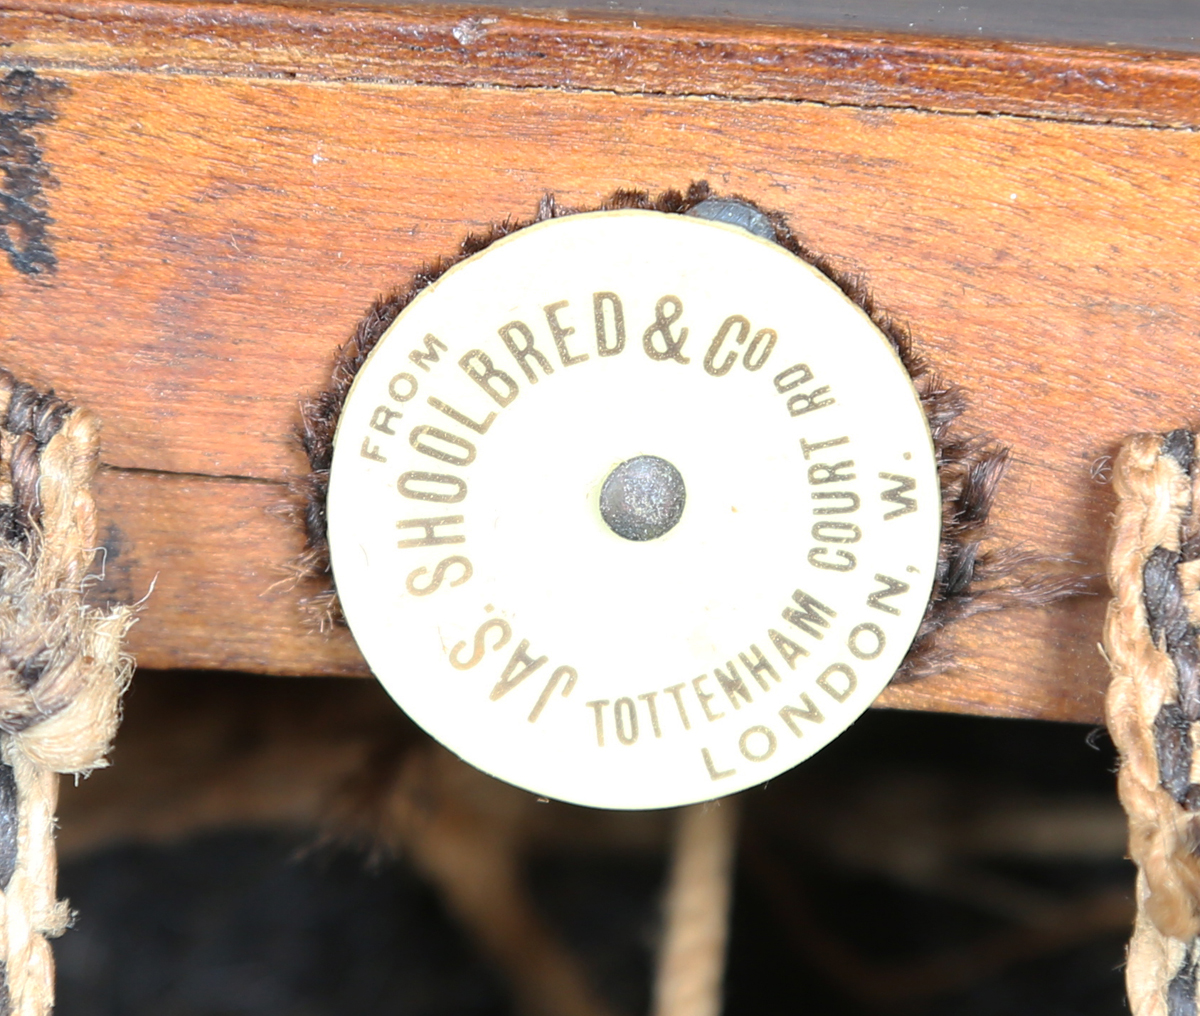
{"type": "Point", "coordinates": [970, 580]}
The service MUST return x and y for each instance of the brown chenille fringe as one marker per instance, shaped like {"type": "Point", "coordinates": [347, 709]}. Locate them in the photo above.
{"type": "Point", "coordinates": [1153, 707]}
{"type": "Point", "coordinates": [62, 672]}
{"type": "Point", "coordinates": [970, 579]}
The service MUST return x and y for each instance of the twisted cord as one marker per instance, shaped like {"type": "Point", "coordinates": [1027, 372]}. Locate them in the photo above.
{"type": "Point", "coordinates": [62, 671]}
{"type": "Point", "coordinates": [691, 962]}
{"type": "Point", "coordinates": [1153, 708]}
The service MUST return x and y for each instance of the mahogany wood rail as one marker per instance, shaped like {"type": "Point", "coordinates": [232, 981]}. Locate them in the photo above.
{"type": "Point", "coordinates": [223, 188]}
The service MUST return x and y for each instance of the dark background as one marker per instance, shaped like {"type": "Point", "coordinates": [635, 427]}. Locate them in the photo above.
{"type": "Point", "coordinates": [879, 877]}
{"type": "Point", "coordinates": [1142, 24]}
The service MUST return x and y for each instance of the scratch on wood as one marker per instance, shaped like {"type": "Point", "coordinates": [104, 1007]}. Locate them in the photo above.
{"type": "Point", "coordinates": [26, 102]}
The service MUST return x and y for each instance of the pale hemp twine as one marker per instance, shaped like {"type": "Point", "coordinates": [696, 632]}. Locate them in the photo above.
{"type": "Point", "coordinates": [62, 671]}
{"type": "Point", "coordinates": [691, 960]}
{"type": "Point", "coordinates": [1154, 707]}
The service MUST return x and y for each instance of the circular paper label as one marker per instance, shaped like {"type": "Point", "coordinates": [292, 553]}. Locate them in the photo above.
{"type": "Point", "coordinates": [633, 510]}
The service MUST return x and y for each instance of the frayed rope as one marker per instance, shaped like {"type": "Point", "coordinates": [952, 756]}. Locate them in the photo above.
{"type": "Point", "coordinates": [1153, 706]}
{"type": "Point", "coordinates": [62, 671]}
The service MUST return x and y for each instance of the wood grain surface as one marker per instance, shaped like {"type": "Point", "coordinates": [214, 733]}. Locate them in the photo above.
{"type": "Point", "coordinates": [474, 46]}
{"type": "Point", "coordinates": [230, 185]}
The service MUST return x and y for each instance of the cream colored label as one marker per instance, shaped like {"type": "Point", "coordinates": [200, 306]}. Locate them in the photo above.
{"type": "Point", "coordinates": [508, 619]}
